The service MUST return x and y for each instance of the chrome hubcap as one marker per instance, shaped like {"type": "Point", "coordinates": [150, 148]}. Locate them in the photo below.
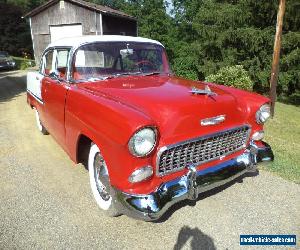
{"type": "Point", "coordinates": [101, 177]}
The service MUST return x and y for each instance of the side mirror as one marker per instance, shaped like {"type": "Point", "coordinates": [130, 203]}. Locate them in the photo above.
{"type": "Point", "coordinates": [54, 76]}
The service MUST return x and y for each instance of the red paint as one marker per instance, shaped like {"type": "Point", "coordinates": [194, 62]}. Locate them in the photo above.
{"type": "Point", "coordinates": [110, 111]}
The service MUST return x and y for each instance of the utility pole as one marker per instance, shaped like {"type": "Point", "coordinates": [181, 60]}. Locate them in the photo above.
{"type": "Point", "coordinates": [276, 55]}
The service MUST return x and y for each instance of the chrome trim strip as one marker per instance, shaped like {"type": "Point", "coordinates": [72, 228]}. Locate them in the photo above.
{"type": "Point", "coordinates": [164, 148]}
{"type": "Point", "coordinates": [35, 97]}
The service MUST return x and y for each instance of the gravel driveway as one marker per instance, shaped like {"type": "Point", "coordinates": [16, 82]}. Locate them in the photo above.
{"type": "Point", "coordinates": [46, 202]}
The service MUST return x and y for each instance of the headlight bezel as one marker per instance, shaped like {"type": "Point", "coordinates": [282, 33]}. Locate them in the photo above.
{"type": "Point", "coordinates": [265, 108]}
{"type": "Point", "coordinates": [131, 145]}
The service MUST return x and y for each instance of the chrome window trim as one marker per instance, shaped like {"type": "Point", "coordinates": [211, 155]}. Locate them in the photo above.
{"type": "Point", "coordinates": [167, 147]}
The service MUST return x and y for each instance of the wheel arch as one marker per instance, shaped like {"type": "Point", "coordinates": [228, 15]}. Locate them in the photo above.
{"type": "Point", "coordinates": [82, 150]}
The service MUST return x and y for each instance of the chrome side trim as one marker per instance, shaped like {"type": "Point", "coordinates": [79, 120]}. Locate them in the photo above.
{"type": "Point", "coordinates": [164, 148]}
{"type": "Point", "coordinates": [35, 97]}
{"type": "Point", "coordinates": [152, 206]}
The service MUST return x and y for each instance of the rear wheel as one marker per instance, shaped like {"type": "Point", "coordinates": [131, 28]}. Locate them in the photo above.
{"type": "Point", "coordinates": [100, 182]}
{"type": "Point", "coordinates": [39, 124]}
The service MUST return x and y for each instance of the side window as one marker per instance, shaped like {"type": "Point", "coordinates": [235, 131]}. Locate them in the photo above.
{"type": "Point", "coordinates": [61, 62]}
{"type": "Point", "coordinates": [47, 63]}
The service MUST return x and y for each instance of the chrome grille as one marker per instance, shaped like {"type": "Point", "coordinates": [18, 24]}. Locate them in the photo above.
{"type": "Point", "coordinates": [200, 150]}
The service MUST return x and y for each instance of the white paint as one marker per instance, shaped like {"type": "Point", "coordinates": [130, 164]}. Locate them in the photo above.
{"type": "Point", "coordinates": [64, 31]}
{"type": "Point", "coordinates": [34, 79]}
{"type": "Point", "coordinates": [105, 205]}
{"type": "Point", "coordinates": [96, 22]}
{"type": "Point", "coordinates": [38, 121]}
{"type": "Point", "coordinates": [101, 27]}
{"type": "Point", "coordinates": [79, 40]}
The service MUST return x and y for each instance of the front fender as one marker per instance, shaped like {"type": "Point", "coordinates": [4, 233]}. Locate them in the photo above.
{"type": "Point", "coordinates": [110, 125]}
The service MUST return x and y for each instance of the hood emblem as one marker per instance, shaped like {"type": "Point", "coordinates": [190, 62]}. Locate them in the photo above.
{"type": "Point", "coordinates": [213, 120]}
{"type": "Point", "coordinates": [205, 91]}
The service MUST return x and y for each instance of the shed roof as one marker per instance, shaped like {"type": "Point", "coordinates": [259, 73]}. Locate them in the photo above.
{"type": "Point", "coordinates": [84, 4]}
{"type": "Point", "coordinates": [80, 40]}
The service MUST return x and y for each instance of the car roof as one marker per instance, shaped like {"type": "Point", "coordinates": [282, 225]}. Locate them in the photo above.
{"type": "Point", "coordinates": [80, 40]}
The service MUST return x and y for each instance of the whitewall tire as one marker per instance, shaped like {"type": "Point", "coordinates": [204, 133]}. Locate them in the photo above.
{"type": "Point", "coordinates": [39, 124]}
{"type": "Point", "coordinates": [100, 182]}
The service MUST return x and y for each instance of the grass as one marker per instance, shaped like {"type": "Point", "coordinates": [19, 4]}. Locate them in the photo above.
{"type": "Point", "coordinates": [283, 134]}
{"type": "Point", "coordinates": [22, 63]}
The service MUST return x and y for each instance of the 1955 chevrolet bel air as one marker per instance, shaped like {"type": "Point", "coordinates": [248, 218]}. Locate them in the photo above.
{"type": "Point", "coordinates": [149, 138]}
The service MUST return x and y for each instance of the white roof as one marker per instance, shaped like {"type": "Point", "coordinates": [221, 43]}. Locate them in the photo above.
{"type": "Point", "coordinates": [79, 40]}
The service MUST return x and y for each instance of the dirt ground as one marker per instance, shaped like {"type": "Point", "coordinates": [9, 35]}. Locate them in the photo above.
{"type": "Point", "coordinates": [46, 202]}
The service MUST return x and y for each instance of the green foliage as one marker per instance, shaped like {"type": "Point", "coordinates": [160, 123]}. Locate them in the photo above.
{"type": "Point", "coordinates": [222, 33]}
{"type": "Point", "coordinates": [22, 63]}
{"type": "Point", "coordinates": [283, 134]}
{"type": "Point", "coordinates": [15, 34]}
{"type": "Point", "coordinates": [201, 37]}
{"type": "Point", "coordinates": [234, 76]}
{"type": "Point", "coordinates": [26, 5]}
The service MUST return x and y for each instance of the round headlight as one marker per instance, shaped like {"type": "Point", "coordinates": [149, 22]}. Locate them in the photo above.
{"type": "Point", "coordinates": [263, 114]}
{"type": "Point", "coordinates": [142, 142]}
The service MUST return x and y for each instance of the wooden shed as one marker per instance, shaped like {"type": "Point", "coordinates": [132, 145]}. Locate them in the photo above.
{"type": "Point", "coordinates": [58, 19]}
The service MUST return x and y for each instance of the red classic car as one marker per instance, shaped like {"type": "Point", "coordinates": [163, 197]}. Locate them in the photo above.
{"type": "Point", "coordinates": [149, 138]}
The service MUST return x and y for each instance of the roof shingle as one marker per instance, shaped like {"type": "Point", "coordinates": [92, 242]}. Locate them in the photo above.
{"type": "Point", "coordinates": [85, 4]}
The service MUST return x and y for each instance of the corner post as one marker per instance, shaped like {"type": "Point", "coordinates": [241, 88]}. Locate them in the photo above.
{"type": "Point", "coordinates": [276, 55]}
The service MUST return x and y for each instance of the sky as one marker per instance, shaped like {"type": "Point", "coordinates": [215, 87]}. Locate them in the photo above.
{"type": "Point", "coordinates": [170, 6]}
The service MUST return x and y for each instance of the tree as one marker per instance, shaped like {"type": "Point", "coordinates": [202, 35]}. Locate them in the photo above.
{"type": "Point", "coordinates": [219, 33]}
{"type": "Point", "coordinates": [15, 34]}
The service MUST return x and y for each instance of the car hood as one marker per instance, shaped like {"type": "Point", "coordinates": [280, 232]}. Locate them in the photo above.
{"type": "Point", "coordinates": [168, 101]}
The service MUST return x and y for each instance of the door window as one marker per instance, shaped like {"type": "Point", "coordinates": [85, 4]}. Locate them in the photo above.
{"type": "Point", "coordinates": [47, 63]}
{"type": "Point", "coordinates": [62, 62]}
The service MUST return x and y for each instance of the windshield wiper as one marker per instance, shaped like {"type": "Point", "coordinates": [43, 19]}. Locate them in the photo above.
{"type": "Point", "coordinates": [152, 73]}
{"type": "Point", "coordinates": [101, 78]}
{"type": "Point", "coordinates": [126, 74]}
{"type": "Point", "coordinates": [93, 79]}
{"type": "Point", "coordinates": [137, 73]}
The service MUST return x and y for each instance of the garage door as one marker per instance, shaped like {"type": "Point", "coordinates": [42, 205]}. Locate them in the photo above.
{"type": "Point", "coordinates": [63, 31]}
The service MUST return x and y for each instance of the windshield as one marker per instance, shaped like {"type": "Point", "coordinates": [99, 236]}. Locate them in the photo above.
{"type": "Point", "coordinates": [3, 54]}
{"type": "Point", "coordinates": [114, 59]}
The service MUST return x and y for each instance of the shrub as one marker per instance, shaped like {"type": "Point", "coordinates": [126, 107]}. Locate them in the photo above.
{"type": "Point", "coordinates": [185, 67]}
{"type": "Point", "coordinates": [26, 64]}
{"type": "Point", "coordinates": [234, 76]}
{"type": "Point", "coordinates": [22, 63]}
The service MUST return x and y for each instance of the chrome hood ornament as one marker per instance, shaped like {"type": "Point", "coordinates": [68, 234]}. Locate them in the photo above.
{"type": "Point", "coordinates": [213, 120]}
{"type": "Point", "coordinates": [205, 91]}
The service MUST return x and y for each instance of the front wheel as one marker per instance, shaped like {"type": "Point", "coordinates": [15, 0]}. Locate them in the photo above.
{"type": "Point", "coordinates": [100, 182]}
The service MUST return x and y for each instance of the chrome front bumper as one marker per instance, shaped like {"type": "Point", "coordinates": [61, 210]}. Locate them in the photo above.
{"type": "Point", "coordinates": [152, 206]}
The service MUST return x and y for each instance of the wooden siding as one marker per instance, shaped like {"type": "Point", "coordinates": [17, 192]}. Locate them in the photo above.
{"type": "Point", "coordinates": [54, 15]}
{"type": "Point", "coordinates": [74, 14]}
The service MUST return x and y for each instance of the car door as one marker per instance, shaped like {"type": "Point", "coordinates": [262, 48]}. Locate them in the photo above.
{"type": "Point", "coordinates": [54, 91]}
